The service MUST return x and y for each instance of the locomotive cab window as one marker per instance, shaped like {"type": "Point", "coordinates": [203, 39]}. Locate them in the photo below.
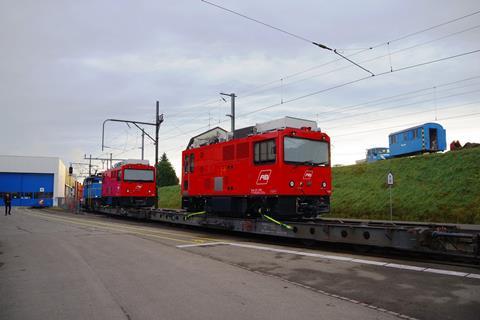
{"type": "Point", "coordinates": [415, 134]}
{"type": "Point", "coordinates": [305, 151]}
{"type": "Point", "coordinates": [265, 152]}
{"type": "Point", "coordinates": [393, 139]}
{"type": "Point", "coordinates": [186, 164]}
{"type": "Point", "coordinates": [138, 175]}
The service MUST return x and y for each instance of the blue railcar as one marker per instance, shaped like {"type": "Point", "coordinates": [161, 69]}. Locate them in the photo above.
{"type": "Point", "coordinates": [428, 137]}
{"type": "Point", "coordinates": [379, 153]}
{"type": "Point", "coordinates": [92, 192]}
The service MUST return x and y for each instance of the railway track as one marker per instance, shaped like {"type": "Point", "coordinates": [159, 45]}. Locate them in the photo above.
{"type": "Point", "coordinates": [445, 242]}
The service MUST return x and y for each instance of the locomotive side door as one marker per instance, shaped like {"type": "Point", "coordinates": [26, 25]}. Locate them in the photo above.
{"type": "Point", "coordinates": [433, 138]}
{"type": "Point", "coordinates": [187, 168]}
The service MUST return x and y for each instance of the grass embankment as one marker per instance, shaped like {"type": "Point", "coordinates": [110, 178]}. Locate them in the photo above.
{"type": "Point", "coordinates": [433, 187]}
{"type": "Point", "coordinates": [169, 197]}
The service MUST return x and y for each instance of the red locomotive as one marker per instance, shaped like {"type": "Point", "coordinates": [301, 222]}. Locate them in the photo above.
{"type": "Point", "coordinates": [280, 168]}
{"type": "Point", "coordinates": [130, 183]}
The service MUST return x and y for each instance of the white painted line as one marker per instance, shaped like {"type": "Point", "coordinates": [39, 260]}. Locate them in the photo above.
{"type": "Point", "coordinates": [201, 244]}
{"type": "Point", "coordinates": [339, 258]}
{"type": "Point", "coordinates": [299, 253]}
{"type": "Point", "coordinates": [244, 245]}
{"type": "Point", "coordinates": [447, 272]}
{"type": "Point", "coordinates": [342, 258]}
{"type": "Point", "coordinates": [404, 266]}
{"type": "Point", "coordinates": [375, 263]}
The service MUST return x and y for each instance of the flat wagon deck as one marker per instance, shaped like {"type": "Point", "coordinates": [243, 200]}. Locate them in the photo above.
{"type": "Point", "coordinates": [449, 240]}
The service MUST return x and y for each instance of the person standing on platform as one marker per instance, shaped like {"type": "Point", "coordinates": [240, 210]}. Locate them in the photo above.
{"type": "Point", "coordinates": [7, 200]}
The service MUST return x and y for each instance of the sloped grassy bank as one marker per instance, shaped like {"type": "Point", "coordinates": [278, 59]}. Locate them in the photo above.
{"type": "Point", "coordinates": [431, 187]}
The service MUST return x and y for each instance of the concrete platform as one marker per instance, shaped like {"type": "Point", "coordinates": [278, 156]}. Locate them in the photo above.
{"type": "Point", "coordinates": [65, 266]}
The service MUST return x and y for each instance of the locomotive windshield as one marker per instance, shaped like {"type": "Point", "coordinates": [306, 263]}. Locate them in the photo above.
{"type": "Point", "coordinates": [137, 175]}
{"type": "Point", "coordinates": [313, 152]}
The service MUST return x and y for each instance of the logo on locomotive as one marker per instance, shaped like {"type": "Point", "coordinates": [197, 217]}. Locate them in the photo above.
{"type": "Point", "coordinates": [308, 175]}
{"type": "Point", "coordinates": [263, 177]}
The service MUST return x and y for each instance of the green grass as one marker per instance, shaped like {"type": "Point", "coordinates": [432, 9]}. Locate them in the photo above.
{"type": "Point", "coordinates": [169, 197]}
{"type": "Point", "coordinates": [432, 187]}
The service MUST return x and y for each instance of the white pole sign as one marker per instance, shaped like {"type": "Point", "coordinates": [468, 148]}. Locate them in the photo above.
{"type": "Point", "coordinates": [390, 179]}
{"type": "Point", "coordinates": [390, 184]}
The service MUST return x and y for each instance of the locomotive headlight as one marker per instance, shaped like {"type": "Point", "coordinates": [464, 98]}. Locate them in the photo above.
{"type": "Point", "coordinates": [128, 190]}
{"type": "Point", "coordinates": [324, 184]}
{"type": "Point", "coordinates": [291, 183]}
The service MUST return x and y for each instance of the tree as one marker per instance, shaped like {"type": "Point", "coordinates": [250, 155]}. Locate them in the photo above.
{"type": "Point", "coordinates": [165, 173]}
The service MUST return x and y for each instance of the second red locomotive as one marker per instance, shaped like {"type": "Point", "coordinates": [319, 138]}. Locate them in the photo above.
{"type": "Point", "coordinates": [280, 168]}
{"type": "Point", "coordinates": [130, 183]}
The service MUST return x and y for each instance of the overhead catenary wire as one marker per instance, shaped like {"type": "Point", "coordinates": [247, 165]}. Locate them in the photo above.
{"type": "Point", "coordinates": [389, 54]}
{"type": "Point", "coordinates": [404, 114]}
{"type": "Point", "coordinates": [336, 87]}
{"type": "Point", "coordinates": [257, 88]}
{"type": "Point", "coordinates": [322, 46]}
{"type": "Point", "coordinates": [401, 105]}
{"type": "Point", "coordinates": [362, 79]}
{"type": "Point", "coordinates": [254, 90]}
{"type": "Point", "coordinates": [393, 97]}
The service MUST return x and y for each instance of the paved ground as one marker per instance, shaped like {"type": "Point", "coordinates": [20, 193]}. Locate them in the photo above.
{"type": "Point", "coordinates": [65, 266]}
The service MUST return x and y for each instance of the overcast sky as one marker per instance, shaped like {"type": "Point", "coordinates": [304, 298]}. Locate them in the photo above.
{"type": "Point", "coordinates": [65, 66]}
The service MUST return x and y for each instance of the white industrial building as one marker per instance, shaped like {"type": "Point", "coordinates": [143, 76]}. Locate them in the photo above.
{"type": "Point", "coordinates": [32, 181]}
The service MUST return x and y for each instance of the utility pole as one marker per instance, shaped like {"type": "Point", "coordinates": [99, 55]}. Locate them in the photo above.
{"type": "Point", "coordinates": [156, 124]}
{"type": "Point", "coordinates": [232, 111]}
{"type": "Point", "coordinates": [90, 166]}
{"type": "Point", "coordinates": [143, 143]}
{"type": "Point", "coordinates": [157, 127]}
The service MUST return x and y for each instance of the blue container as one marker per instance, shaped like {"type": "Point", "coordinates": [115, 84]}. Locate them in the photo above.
{"type": "Point", "coordinates": [27, 189]}
{"type": "Point", "coordinates": [429, 137]}
{"type": "Point", "coordinates": [375, 154]}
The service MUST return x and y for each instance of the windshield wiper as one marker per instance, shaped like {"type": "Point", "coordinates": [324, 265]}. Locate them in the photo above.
{"type": "Point", "coordinates": [305, 163]}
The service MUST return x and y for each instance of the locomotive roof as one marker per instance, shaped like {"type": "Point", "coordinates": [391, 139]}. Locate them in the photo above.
{"type": "Point", "coordinates": [219, 134]}
{"type": "Point", "coordinates": [419, 126]}
{"type": "Point", "coordinates": [215, 133]}
{"type": "Point", "coordinates": [131, 161]}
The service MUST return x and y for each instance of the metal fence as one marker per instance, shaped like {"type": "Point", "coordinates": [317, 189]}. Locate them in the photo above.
{"type": "Point", "coordinates": [70, 204]}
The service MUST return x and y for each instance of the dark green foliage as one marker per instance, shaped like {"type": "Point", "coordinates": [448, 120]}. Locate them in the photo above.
{"type": "Point", "coordinates": [165, 173]}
